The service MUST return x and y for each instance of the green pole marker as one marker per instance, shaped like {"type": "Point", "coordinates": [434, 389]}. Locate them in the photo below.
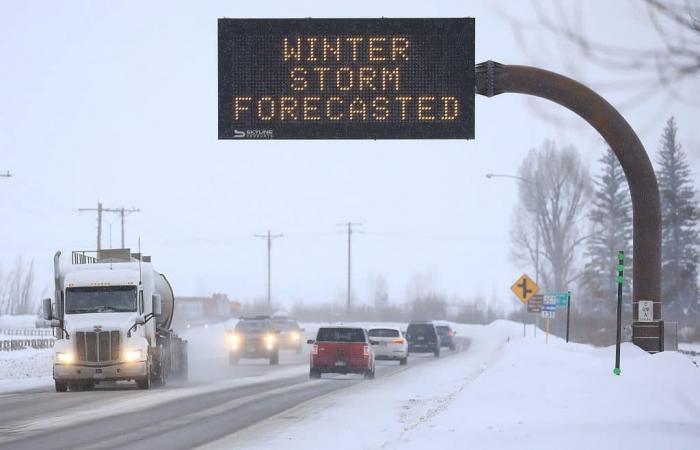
{"type": "Point", "coordinates": [619, 280]}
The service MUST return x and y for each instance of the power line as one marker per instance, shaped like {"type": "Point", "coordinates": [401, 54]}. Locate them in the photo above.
{"type": "Point", "coordinates": [269, 236]}
{"type": "Point", "coordinates": [123, 212]}
{"type": "Point", "coordinates": [350, 231]}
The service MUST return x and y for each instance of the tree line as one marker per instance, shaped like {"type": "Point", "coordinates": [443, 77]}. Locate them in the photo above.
{"type": "Point", "coordinates": [569, 226]}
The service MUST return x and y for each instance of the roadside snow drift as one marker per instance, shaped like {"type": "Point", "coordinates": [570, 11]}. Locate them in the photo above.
{"type": "Point", "coordinates": [503, 392]}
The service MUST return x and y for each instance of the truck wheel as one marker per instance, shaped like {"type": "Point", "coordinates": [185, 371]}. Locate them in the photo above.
{"type": "Point", "coordinates": [313, 373]}
{"type": "Point", "coordinates": [275, 358]}
{"type": "Point", "coordinates": [61, 386]}
{"type": "Point", "coordinates": [403, 361]}
{"type": "Point", "coordinates": [144, 383]}
{"type": "Point", "coordinates": [369, 375]}
{"type": "Point", "coordinates": [437, 352]}
{"type": "Point", "coordinates": [233, 359]}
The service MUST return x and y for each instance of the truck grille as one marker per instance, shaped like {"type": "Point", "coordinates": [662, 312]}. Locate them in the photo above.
{"type": "Point", "coordinates": [97, 346]}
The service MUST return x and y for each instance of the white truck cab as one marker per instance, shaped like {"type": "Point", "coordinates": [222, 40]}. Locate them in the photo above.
{"type": "Point", "coordinates": [112, 313]}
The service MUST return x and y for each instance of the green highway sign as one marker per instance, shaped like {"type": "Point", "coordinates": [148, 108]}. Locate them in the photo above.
{"type": "Point", "coordinates": [562, 298]}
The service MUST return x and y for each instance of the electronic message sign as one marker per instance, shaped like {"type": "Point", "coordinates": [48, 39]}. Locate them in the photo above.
{"type": "Point", "coordinates": [346, 78]}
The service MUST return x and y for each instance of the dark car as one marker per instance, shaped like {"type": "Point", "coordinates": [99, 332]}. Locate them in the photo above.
{"type": "Point", "coordinates": [341, 350]}
{"type": "Point", "coordinates": [254, 338]}
{"type": "Point", "coordinates": [446, 336]}
{"type": "Point", "coordinates": [423, 338]}
{"type": "Point", "coordinates": [290, 334]}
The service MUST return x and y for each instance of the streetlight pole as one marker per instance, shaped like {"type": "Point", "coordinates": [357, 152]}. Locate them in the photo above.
{"type": "Point", "coordinates": [537, 241]}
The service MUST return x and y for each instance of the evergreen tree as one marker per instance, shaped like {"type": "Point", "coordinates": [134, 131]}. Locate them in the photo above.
{"type": "Point", "coordinates": [679, 230]}
{"type": "Point", "coordinates": [611, 231]}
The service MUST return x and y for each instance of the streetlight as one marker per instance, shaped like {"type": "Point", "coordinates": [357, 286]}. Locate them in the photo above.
{"type": "Point", "coordinates": [537, 236]}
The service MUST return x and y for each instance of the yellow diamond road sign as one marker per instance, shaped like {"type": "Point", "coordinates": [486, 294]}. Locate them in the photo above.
{"type": "Point", "coordinates": [524, 288]}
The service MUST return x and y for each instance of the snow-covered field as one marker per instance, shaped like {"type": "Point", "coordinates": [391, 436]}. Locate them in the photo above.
{"type": "Point", "coordinates": [503, 392]}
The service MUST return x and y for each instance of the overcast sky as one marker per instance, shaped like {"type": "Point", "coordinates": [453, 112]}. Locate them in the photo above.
{"type": "Point", "coordinates": [117, 101]}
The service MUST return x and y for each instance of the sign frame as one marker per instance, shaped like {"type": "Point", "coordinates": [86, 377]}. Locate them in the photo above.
{"type": "Point", "coordinates": [256, 44]}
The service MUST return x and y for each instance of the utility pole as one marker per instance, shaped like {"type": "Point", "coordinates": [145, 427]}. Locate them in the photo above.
{"type": "Point", "coordinates": [121, 211]}
{"type": "Point", "coordinates": [269, 236]}
{"type": "Point", "coordinates": [99, 222]}
{"type": "Point", "coordinates": [349, 226]}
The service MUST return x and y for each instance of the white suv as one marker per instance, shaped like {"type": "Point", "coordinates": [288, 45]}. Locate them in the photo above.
{"type": "Point", "coordinates": [389, 343]}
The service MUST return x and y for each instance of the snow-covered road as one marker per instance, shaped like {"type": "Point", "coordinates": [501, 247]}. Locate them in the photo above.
{"type": "Point", "coordinates": [505, 392]}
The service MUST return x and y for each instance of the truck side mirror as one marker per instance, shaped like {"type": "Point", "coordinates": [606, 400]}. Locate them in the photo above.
{"type": "Point", "coordinates": [47, 312]}
{"type": "Point", "coordinates": [157, 305]}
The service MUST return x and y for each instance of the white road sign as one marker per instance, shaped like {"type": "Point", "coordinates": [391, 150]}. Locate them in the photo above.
{"type": "Point", "coordinates": [645, 311]}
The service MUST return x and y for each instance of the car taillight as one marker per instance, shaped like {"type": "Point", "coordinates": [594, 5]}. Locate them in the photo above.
{"type": "Point", "coordinates": [314, 350]}
{"type": "Point", "coordinates": [398, 341]}
{"type": "Point", "coordinates": [365, 350]}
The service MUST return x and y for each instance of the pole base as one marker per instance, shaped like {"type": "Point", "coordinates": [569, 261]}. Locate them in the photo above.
{"type": "Point", "coordinates": [649, 336]}
{"type": "Point", "coordinates": [617, 371]}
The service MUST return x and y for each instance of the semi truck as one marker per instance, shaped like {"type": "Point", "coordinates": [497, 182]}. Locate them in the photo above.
{"type": "Point", "coordinates": [112, 314]}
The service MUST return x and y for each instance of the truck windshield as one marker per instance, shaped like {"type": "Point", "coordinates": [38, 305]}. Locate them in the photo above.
{"type": "Point", "coordinates": [82, 300]}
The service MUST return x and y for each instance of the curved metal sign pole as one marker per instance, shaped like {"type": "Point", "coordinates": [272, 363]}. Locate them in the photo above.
{"type": "Point", "coordinates": [493, 78]}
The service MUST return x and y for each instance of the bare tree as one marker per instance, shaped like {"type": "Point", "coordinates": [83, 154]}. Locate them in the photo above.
{"type": "Point", "coordinates": [547, 228]}
{"type": "Point", "coordinates": [672, 63]}
{"type": "Point", "coordinates": [17, 290]}
{"type": "Point", "coordinates": [380, 291]}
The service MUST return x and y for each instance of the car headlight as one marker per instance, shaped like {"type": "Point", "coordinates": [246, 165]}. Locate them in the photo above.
{"type": "Point", "coordinates": [270, 341]}
{"type": "Point", "coordinates": [65, 357]}
{"type": "Point", "coordinates": [234, 340]}
{"type": "Point", "coordinates": [133, 355]}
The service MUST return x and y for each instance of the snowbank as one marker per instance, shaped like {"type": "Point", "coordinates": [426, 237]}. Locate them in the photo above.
{"type": "Point", "coordinates": [503, 392]}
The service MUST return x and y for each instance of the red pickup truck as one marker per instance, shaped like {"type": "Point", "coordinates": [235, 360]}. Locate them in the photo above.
{"type": "Point", "coordinates": [341, 350]}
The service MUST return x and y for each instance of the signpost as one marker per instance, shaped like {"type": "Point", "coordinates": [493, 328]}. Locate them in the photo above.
{"type": "Point", "coordinates": [619, 280]}
{"type": "Point", "coordinates": [346, 78]}
{"type": "Point", "coordinates": [524, 288]}
{"type": "Point", "coordinates": [549, 311]}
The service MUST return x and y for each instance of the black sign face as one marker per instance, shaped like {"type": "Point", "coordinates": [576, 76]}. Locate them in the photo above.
{"type": "Point", "coordinates": [346, 78]}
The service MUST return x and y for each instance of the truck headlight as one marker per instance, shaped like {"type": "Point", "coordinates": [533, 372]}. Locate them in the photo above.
{"type": "Point", "coordinates": [295, 336]}
{"type": "Point", "coordinates": [133, 355]}
{"type": "Point", "coordinates": [234, 340]}
{"type": "Point", "coordinates": [270, 341]}
{"type": "Point", "coordinates": [65, 357]}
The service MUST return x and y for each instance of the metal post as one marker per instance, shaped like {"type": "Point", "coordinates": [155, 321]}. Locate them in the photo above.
{"type": "Point", "coordinates": [619, 280]}
{"type": "Point", "coordinates": [493, 78]}
{"type": "Point", "coordinates": [269, 270]}
{"type": "Point", "coordinates": [349, 263]}
{"type": "Point", "coordinates": [99, 228]}
{"type": "Point", "coordinates": [121, 213]}
{"type": "Point", "coordinates": [546, 336]}
{"type": "Point", "coordinates": [568, 313]}
{"type": "Point", "coordinates": [269, 237]}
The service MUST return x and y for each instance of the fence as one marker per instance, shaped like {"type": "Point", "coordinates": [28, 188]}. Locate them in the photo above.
{"type": "Point", "coordinates": [14, 339]}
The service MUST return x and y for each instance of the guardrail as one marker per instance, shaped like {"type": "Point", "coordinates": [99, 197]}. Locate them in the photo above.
{"type": "Point", "coordinates": [12, 345]}
{"type": "Point", "coordinates": [26, 332]}
{"type": "Point", "coordinates": [693, 355]}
